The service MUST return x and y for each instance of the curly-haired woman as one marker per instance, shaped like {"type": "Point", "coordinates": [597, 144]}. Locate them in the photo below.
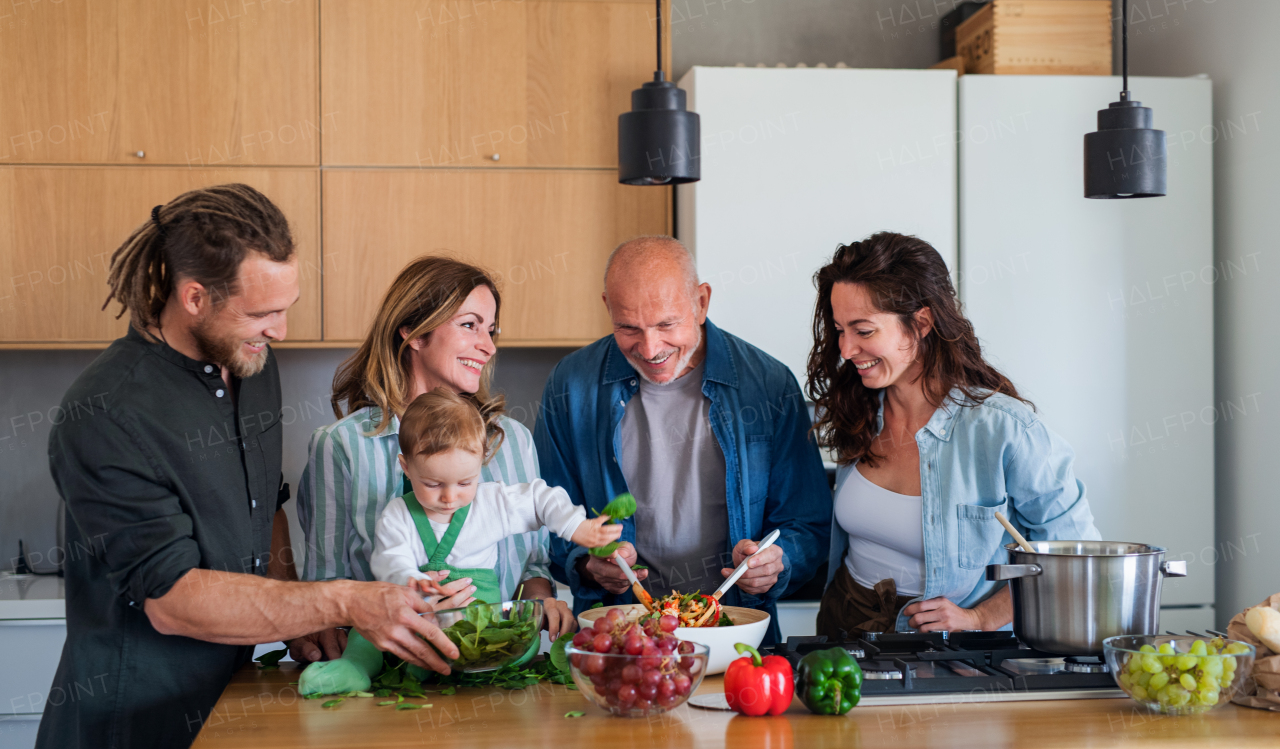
{"type": "Point", "coordinates": [932, 441]}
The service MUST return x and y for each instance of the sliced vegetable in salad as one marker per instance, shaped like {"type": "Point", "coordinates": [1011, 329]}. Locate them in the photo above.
{"type": "Point", "coordinates": [688, 608]}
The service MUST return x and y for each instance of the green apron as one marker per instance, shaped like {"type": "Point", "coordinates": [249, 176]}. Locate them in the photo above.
{"type": "Point", "coordinates": [485, 580]}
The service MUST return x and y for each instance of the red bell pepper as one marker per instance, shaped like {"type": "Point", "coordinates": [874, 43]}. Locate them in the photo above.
{"type": "Point", "coordinates": [757, 686]}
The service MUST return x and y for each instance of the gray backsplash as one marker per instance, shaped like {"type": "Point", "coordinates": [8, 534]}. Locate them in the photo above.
{"type": "Point", "coordinates": [32, 384]}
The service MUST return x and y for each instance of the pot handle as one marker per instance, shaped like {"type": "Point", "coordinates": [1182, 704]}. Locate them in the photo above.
{"type": "Point", "coordinates": [1174, 568]}
{"type": "Point", "coordinates": [1010, 571]}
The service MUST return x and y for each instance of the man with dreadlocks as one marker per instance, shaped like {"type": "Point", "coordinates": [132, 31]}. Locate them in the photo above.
{"type": "Point", "coordinates": [173, 488]}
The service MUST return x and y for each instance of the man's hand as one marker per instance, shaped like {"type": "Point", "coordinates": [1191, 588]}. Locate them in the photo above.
{"type": "Point", "coordinates": [325, 645]}
{"type": "Point", "coordinates": [388, 616]}
{"type": "Point", "coordinates": [605, 571]}
{"type": "Point", "coordinates": [940, 615]}
{"type": "Point", "coordinates": [763, 572]}
{"type": "Point", "coordinates": [594, 533]}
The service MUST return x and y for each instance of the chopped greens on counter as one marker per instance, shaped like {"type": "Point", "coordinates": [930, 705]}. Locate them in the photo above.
{"type": "Point", "coordinates": [271, 660]}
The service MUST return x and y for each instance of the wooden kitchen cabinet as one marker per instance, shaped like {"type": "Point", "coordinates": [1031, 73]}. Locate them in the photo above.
{"type": "Point", "coordinates": [545, 235]}
{"type": "Point", "coordinates": [535, 83]}
{"type": "Point", "coordinates": [190, 82]}
{"type": "Point", "coordinates": [60, 225]}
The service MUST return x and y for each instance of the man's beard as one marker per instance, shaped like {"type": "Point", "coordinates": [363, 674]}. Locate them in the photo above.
{"type": "Point", "coordinates": [681, 364]}
{"type": "Point", "coordinates": [225, 350]}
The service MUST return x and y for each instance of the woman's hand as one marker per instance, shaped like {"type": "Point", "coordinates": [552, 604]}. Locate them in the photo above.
{"type": "Point", "coordinates": [560, 618]}
{"type": "Point", "coordinates": [941, 615]}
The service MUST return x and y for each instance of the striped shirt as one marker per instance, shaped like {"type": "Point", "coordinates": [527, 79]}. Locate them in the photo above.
{"type": "Point", "coordinates": [350, 477]}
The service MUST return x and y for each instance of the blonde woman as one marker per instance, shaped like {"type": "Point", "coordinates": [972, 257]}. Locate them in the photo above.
{"type": "Point", "coordinates": [435, 328]}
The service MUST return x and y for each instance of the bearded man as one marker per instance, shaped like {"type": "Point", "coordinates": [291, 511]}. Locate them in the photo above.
{"type": "Point", "coordinates": [708, 432]}
{"type": "Point", "coordinates": [170, 465]}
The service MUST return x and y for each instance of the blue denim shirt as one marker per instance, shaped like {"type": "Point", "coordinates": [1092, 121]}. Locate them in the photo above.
{"type": "Point", "coordinates": [977, 460]}
{"type": "Point", "coordinates": [773, 473]}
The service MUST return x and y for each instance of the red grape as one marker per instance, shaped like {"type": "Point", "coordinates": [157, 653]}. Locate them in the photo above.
{"type": "Point", "coordinates": [642, 703]}
{"type": "Point", "coordinates": [599, 680]}
{"type": "Point", "coordinates": [651, 678]}
{"type": "Point", "coordinates": [601, 624]}
{"type": "Point", "coordinates": [581, 639]}
{"type": "Point", "coordinates": [668, 701]}
{"type": "Point", "coordinates": [648, 691]}
{"type": "Point", "coordinates": [602, 643]}
{"type": "Point", "coordinates": [666, 687]}
{"type": "Point", "coordinates": [612, 686]}
{"type": "Point", "coordinates": [686, 647]}
{"type": "Point", "coordinates": [633, 645]}
{"type": "Point", "coordinates": [682, 683]}
{"type": "Point", "coordinates": [667, 645]}
{"type": "Point", "coordinates": [614, 616]}
{"type": "Point", "coordinates": [593, 664]}
{"type": "Point", "coordinates": [626, 694]}
{"type": "Point", "coordinates": [668, 623]}
{"type": "Point", "coordinates": [576, 660]}
{"type": "Point", "coordinates": [631, 673]}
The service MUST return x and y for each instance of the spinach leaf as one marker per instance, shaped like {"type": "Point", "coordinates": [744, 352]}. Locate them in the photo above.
{"type": "Point", "coordinates": [558, 657]}
{"type": "Point", "coordinates": [271, 659]}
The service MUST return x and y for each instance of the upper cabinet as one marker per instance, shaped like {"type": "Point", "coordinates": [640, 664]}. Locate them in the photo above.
{"type": "Point", "coordinates": [186, 82]}
{"type": "Point", "coordinates": [533, 83]}
{"type": "Point", "coordinates": [543, 234]}
{"type": "Point", "coordinates": [59, 227]}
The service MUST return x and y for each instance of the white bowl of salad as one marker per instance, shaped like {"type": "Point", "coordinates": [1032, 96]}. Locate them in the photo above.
{"type": "Point", "coordinates": [733, 625]}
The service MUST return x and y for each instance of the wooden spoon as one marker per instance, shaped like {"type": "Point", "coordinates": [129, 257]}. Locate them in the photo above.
{"type": "Point", "coordinates": [641, 594]}
{"type": "Point", "coordinates": [1014, 532]}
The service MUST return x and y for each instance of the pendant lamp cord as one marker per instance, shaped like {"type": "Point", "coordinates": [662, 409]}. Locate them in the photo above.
{"type": "Point", "coordinates": [1124, 47]}
{"type": "Point", "coordinates": [658, 76]}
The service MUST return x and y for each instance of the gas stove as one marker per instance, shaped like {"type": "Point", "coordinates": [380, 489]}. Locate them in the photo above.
{"type": "Point", "coordinates": [931, 667]}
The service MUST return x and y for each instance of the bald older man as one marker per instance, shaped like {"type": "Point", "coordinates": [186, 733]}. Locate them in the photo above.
{"type": "Point", "coordinates": [708, 432]}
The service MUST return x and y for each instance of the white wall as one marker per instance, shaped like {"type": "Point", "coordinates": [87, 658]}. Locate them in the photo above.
{"type": "Point", "coordinates": [1234, 42]}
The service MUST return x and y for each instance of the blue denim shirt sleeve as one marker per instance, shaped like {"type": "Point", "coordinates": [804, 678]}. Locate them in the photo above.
{"type": "Point", "coordinates": [1048, 500]}
{"type": "Point", "coordinates": [799, 500]}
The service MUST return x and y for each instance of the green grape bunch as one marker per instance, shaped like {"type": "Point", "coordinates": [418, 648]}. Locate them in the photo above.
{"type": "Point", "coordinates": [1182, 682]}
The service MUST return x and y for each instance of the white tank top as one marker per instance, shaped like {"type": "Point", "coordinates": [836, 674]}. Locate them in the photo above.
{"type": "Point", "coordinates": [886, 534]}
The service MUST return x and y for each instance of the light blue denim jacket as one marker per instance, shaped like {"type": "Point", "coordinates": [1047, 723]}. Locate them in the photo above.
{"type": "Point", "coordinates": [976, 460]}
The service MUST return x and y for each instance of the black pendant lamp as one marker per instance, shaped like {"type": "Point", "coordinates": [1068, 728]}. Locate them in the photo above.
{"type": "Point", "coordinates": [658, 139]}
{"type": "Point", "coordinates": [1126, 157]}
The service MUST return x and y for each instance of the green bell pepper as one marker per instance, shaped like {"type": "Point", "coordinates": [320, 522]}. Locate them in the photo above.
{"type": "Point", "coordinates": [829, 682]}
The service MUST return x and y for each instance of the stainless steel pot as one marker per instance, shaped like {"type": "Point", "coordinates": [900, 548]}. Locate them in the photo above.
{"type": "Point", "coordinates": [1069, 596]}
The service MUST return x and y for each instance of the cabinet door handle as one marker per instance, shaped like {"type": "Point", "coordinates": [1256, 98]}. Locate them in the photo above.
{"type": "Point", "coordinates": [494, 157]}
{"type": "Point", "coordinates": [140, 154]}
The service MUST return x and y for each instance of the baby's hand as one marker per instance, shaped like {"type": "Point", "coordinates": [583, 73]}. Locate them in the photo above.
{"type": "Point", "coordinates": [428, 588]}
{"type": "Point", "coordinates": [594, 533]}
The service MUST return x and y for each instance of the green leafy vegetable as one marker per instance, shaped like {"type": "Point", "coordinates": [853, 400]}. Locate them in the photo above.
{"type": "Point", "coordinates": [596, 605]}
{"type": "Point", "coordinates": [574, 714]}
{"type": "Point", "coordinates": [622, 507]}
{"type": "Point", "coordinates": [635, 567]}
{"type": "Point", "coordinates": [449, 690]}
{"type": "Point", "coordinates": [332, 703]}
{"type": "Point", "coordinates": [388, 702]}
{"type": "Point", "coordinates": [410, 706]}
{"type": "Point", "coordinates": [725, 621]}
{"type": "Point", "coordinates": [272, 659]}
{"type": "Point", "coordinates": [557, 656]}
{"type": "Point", "coordinates": [485, 641]}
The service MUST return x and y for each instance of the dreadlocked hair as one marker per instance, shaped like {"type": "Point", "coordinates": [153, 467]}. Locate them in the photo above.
{"type": "Point", "coordinates": [203, 235]}
{"type": "Point", "coordinates": [902, 275]}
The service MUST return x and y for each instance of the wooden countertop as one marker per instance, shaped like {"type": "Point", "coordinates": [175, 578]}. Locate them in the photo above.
{"type": "Point", "coordinates": [261, 709]}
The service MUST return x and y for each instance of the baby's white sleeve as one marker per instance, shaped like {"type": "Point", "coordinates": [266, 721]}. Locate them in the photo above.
{"type": "Point", "coordinates": [394, 557]}
{"type": "Point", "coordinates": [552, 507]}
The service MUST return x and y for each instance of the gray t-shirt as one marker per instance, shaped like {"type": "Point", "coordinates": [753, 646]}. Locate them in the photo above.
{"type": "Point", "coordinates": [675, 468]}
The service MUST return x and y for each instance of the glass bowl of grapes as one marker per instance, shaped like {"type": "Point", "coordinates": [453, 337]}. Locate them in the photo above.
{"type": "Point", "coordinates": [633, 669]}
{"type": "Point", "coordinates": [1179, 675]}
